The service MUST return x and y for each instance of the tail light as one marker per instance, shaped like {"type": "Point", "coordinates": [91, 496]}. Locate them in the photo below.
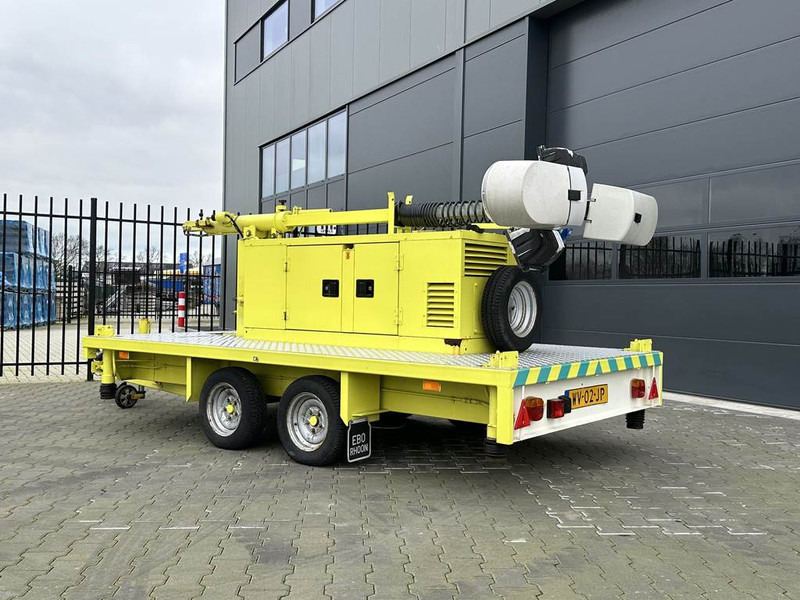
{"type": "Point", "coordinates": [556, 408]}
{"type": "Point", "coordinates": [531, 409]}
{"type": "Point", "coordinates": [638, 388]}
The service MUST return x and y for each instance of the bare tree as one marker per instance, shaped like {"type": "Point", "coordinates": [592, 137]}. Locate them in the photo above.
{"type": "Point", "coordinates": [153, 256]}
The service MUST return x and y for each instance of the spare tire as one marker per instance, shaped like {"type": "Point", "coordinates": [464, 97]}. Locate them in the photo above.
{"type": "Point", "coordinates": [510, 309]}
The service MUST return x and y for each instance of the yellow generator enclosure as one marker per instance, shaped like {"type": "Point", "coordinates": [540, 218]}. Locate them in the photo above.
{"type": "Point", "coordinates": [406, 291]}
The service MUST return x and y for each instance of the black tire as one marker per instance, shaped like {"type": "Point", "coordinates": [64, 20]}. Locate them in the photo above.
{"type": "Point", "coordinates": [310, 397]}
{"type": "Point", "coordinates": [124, 396]}
{"type": "Point", "coordinates": [246, 408]}
{"type": "Point", "coordinates": [497, 296]}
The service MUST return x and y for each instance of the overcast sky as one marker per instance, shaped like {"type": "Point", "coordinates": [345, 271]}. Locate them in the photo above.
{"type": "Point", "coordinates": [114, 99]}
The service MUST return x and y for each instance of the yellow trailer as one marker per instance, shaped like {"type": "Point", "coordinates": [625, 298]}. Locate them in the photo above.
{"type": "Point", "coordinates": [324, 389]}
{"type": "Point", "coordinates": [435, 316]}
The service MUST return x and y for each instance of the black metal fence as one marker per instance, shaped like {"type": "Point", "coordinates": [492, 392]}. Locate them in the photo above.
{"type": "Point", "coordinates": [66, 266]}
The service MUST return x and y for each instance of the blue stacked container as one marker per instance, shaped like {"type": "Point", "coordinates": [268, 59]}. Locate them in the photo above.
{"type": "Point", "coordinates": [9, 270]}
{"type": "Point", "coordinates": [18, 237]}
{"type": "Point", "coordinates": [9, 310]}
{"type": "Point", "coordinates": [44, 311]}
{"type": "Point", "coordinates": [43, 242]}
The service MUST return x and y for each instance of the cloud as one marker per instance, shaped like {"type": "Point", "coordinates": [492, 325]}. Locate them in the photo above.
{"type": "Point", "coordinates": [119, 100]}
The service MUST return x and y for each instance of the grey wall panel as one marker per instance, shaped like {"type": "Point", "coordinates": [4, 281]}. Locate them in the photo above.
{"type": "Point", "coordinates": [266, 111]}
{"type": "Point", "coordinates": [317, 197]}
{"type": "Point", "coordinates": [767, 134]}
{"type": "Point", "coordinates": [301, 85]}
{"type": "Point", "coordinates": [251, 158]}
{"type": "Point", "coordinates": [427, 175]}
{"type": "Point", "coordinates": [367, 45]}
{"type": "Point", "coordinates": [757, 312]}
{"type": "Point", "coordinates": [682, 203]}
{"type": "Point", "coordinates": [342, 59]}
{"type": "Point", "coordinates": [498, 38]}
{"type": "Point", "coordinates": [773, 75]}
{"type": "Point", "coordinates": [412, 121]}
{"type": "Point", "coordinates": [454, 25]}
{"type": "Point", "coordinates": [481, 150]}
{"type": "Point", "coordinates": [503, 11]}
{"type": "Point", "coordinates": [395, 42]}
{"type": "Point", "coordinates": [494, 87]}
{"type": "Point", "coordinates": [478, 16]}
{"type": "Point", "coordinates": [659, 53]}
{"type": "Point", "coordinates": [732, 370]}
{"type": "Point", "coordinates": [428, 30]}
{"type": "Point", "coordinates": [336, 195]}
{"type": "Point", "coordinates": [283, 93]}
{"type": "Point", "coordinates": [299, 16]}
{"type": "Point", "coordinates": [320, 71]}
{"type": "Point", "coordinates": [603, 23]}
{"type": "Point", "coordinates": [756, 195]}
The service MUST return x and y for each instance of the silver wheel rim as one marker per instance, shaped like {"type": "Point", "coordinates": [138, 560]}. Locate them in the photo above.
{"type": "Point", "coordinates": [224, 409]}
{"type": "Point", "coordinates": [307, 421]}
{"type": "Point", "coordinates": [522, 309]}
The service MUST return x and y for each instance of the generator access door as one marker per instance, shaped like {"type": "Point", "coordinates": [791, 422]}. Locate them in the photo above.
{"type": "Point", "coordinates": [314, 288]}
{"type": "Point", "coordinates": [374, 291]}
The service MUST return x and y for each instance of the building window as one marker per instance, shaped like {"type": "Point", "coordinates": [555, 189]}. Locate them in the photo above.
{"type": "Point", "coordinates": [268, 171]}
{"type": "Point", "coordinates": [263, 39]}
{"type": "Point", "coordinates": [248, 52]}
{"type": "Point", "coordinates": [305, 159]}
{"type": "Point", "coordinates": [299, 159]}
{"type": "Point", "coordinates": [665, 257]}
{"type": "Point", "coordinates": [582, 261]}
{"type": "Point", "coordinates": [316, 152]}
{"type": "Point", "coordinates": [282, 166]}
{"type": "Point", "coordinates": [773, 252]}
{"type": "Point", "coordinates": [322, 6]}
{"type": "Point", "coordinates": [276, 29]}
{"type": "Point", "coordinates": [337, 144]}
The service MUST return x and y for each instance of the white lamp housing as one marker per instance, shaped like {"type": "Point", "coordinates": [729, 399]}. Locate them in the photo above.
{"type": "Point", "coordinates": [621, 215]}
{"type": "Point", "coordinates": [534, 194]}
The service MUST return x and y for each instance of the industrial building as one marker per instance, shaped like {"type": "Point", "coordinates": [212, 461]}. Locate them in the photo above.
{"type": "Point", "coordinates": [333, 103]}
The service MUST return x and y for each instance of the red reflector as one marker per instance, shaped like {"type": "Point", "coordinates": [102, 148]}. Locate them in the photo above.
{"type": "Point", "coordinates": [555, 409]}
{"type": "Point", "coordinates": [531, 409]}
{"type": "Point", "coordinates": [637, 388]}
{"type": "Point", "coordinates": [653, 391]}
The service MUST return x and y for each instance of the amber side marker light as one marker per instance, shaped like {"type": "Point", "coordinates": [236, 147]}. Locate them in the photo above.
{"type": "Point", "coordinates": [122, 355]}
{"type": "Point", "coordinates": [432, 386]}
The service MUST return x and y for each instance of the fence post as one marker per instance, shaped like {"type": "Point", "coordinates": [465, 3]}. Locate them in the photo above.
{"type": "Point", "coordinates": [92, 276]}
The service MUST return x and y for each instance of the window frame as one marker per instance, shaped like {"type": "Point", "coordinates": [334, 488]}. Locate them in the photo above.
{"type": "Point", "coordinates": [315, 17]}
{"type": "Point", "coordinates": [260, 23]}
{"type": "Point", "coordinates": [327, 179]}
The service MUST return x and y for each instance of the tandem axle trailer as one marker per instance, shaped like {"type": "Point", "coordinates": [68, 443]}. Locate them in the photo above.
{"type": "Point", "coordinates": [328, 395]}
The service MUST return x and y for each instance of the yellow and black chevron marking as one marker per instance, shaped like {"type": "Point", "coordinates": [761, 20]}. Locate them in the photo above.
{"type": "Point", "coordinates": [587, 368]}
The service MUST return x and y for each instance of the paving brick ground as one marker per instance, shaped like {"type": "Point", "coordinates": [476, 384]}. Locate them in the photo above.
{"type": "Point", "coordinates": [96, 502]}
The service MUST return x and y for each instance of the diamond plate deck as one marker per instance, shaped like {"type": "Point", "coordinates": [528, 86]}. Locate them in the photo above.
{"type": "Point", "coordinates": [539, 355]}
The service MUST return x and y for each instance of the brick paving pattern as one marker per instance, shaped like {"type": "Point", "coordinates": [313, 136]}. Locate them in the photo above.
{"type": "Point", "coordinates": [96, 502]}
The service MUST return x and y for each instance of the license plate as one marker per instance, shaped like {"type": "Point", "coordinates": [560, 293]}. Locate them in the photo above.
{"type": "Point", "coordinates": [359, 440]}
{"type": "Point", "coordinates": [588, 396]}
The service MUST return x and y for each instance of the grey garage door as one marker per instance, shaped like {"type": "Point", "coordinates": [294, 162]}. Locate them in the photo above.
{"type": "Point", "coordinates": [698, 103]}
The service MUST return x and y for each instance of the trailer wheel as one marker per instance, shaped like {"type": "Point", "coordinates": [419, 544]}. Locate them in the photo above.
{"type": "Point", "coordinates": [232, 408]}
{"type": "Point", "coordinates": [309, 426]}
{"type": "Point", "coordinates": [510, 309]}
{"type": "Point", "coordinates": [125, 396]}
